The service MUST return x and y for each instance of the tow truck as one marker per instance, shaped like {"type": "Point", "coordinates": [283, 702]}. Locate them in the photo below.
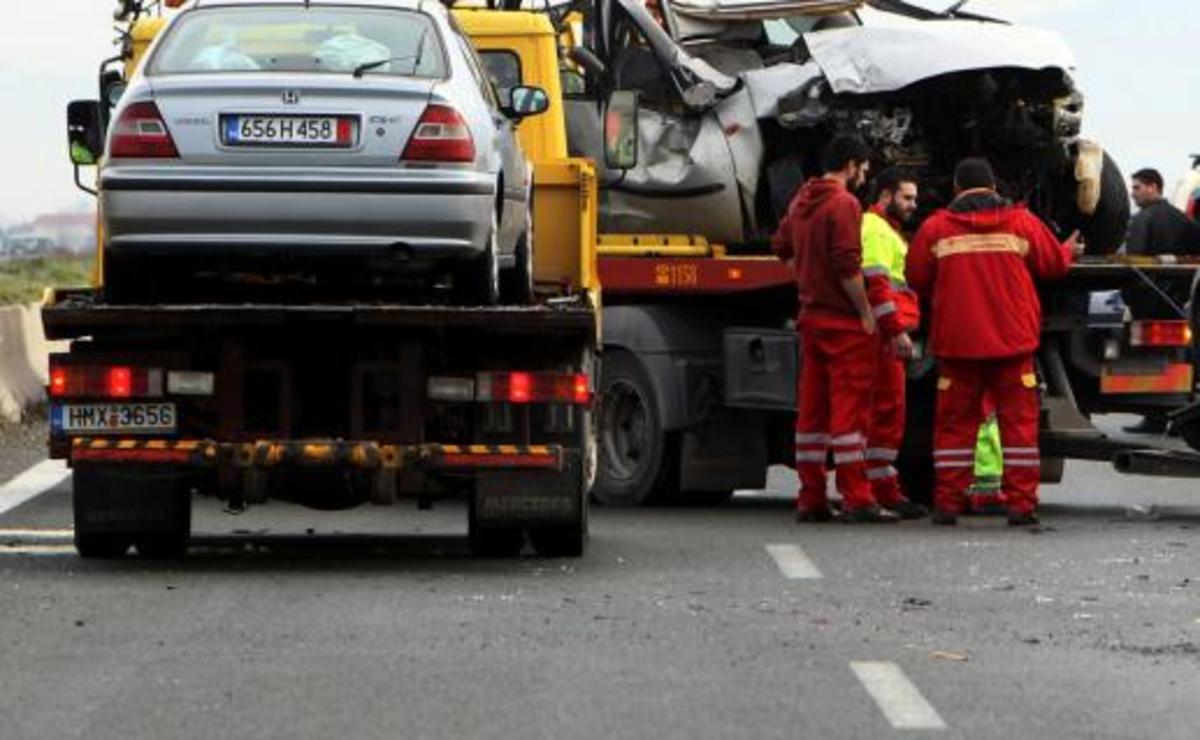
{"type": "Point", "coordinates": [337, 404]}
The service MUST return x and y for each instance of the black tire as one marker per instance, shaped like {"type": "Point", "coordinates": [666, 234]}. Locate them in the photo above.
{"type": "Point", "coordinates": [1104, 231]}
{"type": "Point", "coordinates": [492, 541]}
{"type": "Point", "coordinates": [115, 507]}
{"type": "Point", "coordinates": [477, 282]}
{"type": "Point", "coordinates": [100, 546]}
{"type": "Point", "coordinates": [635, 456]}
{"type": "Point", "coordinates": [517, 283]}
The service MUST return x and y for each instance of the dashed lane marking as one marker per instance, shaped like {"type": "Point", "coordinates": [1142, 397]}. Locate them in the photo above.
{"type": "Point", "coordinates": [34, 481]}
{"type": "Point", "coordinates": [897, 697]}
{"type": "Point", "coordinates": [793, 563]}
{"type": "Point", "coordinates": [37, 535]}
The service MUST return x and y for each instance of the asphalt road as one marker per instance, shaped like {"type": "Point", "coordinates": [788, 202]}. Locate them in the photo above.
{"type": "Point", "coordinates": [691, 623]}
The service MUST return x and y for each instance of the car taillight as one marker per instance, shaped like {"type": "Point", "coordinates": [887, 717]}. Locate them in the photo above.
{"type": "Point", "coordinates": [1160, 334]}
{"type": "Point", "coordinates": [104, 381]}
{"type": "Point", "coordinates": [142, 132]}
{"type": "Point", "coordinates": [441, 136]}
{"type": "Point", "coordinates": [522, 387]}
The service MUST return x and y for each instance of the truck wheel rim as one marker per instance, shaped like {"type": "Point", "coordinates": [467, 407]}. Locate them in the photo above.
{"type": "Point", "coordinates": [625, 436]}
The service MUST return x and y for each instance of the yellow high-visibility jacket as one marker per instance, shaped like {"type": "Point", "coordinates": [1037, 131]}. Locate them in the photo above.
{"type": "Point", "coordinates": [884, 252]}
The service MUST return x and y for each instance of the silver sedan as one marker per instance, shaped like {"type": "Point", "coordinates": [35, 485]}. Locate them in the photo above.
{"type": "Point", "coordinates": [262, 132]}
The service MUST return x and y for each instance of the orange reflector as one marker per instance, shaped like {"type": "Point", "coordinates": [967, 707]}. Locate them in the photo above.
{"type": "Point", "coordinates": [1176, 378]}
{"type": "Point", "coordinates": [735, 273]}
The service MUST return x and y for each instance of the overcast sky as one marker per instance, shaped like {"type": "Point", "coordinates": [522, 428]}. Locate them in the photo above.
{"type": "Point", "coordinates": [1137, 66]}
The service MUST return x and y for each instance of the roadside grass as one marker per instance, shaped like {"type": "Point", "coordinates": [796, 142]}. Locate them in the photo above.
{"type": "Point", "coordinates": [23, 280]}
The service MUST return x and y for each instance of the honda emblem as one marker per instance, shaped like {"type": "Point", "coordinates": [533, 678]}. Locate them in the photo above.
{"type": "Point", "coordinates": [291, 97]}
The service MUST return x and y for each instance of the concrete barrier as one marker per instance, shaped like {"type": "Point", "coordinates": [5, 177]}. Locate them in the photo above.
{"type": "Point", "coordinates": [24, 360]}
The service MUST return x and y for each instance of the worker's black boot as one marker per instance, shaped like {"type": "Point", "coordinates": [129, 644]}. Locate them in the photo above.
{"type": "Point", "coordinates": [908, 510]}
{"type": "Point", "coordinates": [943, 518]}
{"type": "Point", "coordinates": [1023, 520]}
{"type": "Point", "coordinates": [817, 515]}
{"type": "Point", "coordinates": [869, 515]}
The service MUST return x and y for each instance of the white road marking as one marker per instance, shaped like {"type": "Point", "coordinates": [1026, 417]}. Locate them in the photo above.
{"type": "Point", "coordinates": [34, 481]}
{"type": "Point", "coordinates": [793, 563]}
{"type": "Point", "coordinates": [37, 535]}
{"type": "Point", "coordinates": [897, 697]}
{"type": "Point", "coordinates": [52, 550]}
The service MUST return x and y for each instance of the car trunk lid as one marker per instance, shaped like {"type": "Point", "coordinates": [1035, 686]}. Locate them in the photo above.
{"type": "Point", "coordinates": [256, 120]}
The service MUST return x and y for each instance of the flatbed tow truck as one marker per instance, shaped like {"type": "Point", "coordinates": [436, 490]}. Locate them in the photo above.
{"type": "Point", "coordinates": [337, 404]}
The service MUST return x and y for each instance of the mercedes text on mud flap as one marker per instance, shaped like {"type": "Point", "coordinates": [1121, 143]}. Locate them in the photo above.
{"type": "Point", "coordinates": [313, 140]}
{"type": "Point", "coordinates": [740, 99]}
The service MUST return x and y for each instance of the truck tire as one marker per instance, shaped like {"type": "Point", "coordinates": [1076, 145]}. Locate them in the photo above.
{"type": "Point", "coordinates": [635, 460]}
{"type": "Point", "coordinates": [477, 281]}
{"type": "Point", "coordinates": [114, 508]}
{"type": "Point", "coordinates": [100, 545]}
{"type": "Point", "coordinates": [492, 541]}
{"type": "Point", "coordinates": [561, 541]}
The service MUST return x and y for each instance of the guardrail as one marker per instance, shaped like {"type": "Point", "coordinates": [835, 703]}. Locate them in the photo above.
{"type": "Point", "coordinates": [24, 360]}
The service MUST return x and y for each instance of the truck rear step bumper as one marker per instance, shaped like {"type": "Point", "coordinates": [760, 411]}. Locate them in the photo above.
{"type": "Point", "coordinates": [280, 454]}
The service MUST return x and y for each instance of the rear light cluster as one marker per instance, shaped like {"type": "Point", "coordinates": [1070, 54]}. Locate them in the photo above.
{"type": "Point", "coordinates": [141, 132]}
{"type": "Point", "coordinates": [110, 381]}
{"type": "Point", "coordinates": [518, 387]}
{"type": "Point", "coordinates": [1160, 334]}
{"type": "Point", "coordinates": [442, 135]}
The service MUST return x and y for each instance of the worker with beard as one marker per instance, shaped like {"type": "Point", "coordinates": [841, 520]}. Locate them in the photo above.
{"type": "Point", "coordinates": [821, 234]}
{"type": "Point", "coordinates": [977, 261]}
{"type": "Point", "coordinates": [897, 313]}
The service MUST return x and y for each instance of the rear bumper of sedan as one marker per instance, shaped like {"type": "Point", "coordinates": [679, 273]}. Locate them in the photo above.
{"type": "Point", "coordinates": [423, 214]}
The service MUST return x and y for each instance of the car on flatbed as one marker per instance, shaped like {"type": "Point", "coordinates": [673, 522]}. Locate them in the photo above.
{"type": "Point", "coordinates": [318, 138]}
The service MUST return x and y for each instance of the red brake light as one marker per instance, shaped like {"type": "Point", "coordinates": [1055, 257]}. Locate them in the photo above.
{"type": "Point", "coordinates": [120, 382]}
{"type": "Point", "coordinates": [583, 390]}
{"type": "Point", "coordinates": [441, 136]}
{"type": "Point", "coordinates": [520, 388]}
{"type": "Point", "coordinates": [142, 132]}
{"type": "Point", "coordinates": [525, 387]}
{"type": "Point", "coordinates": [104, 381]}
{"type": "Point", "coordinates": [58, 382]}
{"type": "Point", "coordinates": [1160, 334]}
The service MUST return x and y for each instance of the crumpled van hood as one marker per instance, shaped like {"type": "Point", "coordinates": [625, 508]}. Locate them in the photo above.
{"type": "Point", "coordinates": [879, 58]}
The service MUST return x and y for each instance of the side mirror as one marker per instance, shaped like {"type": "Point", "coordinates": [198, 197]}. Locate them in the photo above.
{"type": "Point", "coordinates": [621, 130]}
{"type": "Point", "coordinates": [85, 131]}
{"type": "Point", "coordinates": [525, 101]}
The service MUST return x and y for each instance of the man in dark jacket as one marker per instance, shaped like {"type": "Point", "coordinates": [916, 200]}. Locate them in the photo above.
{"type": "Point", "coordinates": [822, 235]}
{"type": "Point", "coordinates": [1158, 227]}
{"type": "Point", "coordinates": [977, 261]}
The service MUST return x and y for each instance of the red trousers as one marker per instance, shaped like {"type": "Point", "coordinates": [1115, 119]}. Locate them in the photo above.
{"type": "Point", "coordinates": [1012, 386]}
{"type": "Point", "coordinates": [837, 368]}
{"type": "Point", "coordinates": [886, 430]}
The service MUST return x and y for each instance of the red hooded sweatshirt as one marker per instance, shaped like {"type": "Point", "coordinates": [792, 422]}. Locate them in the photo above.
{"type": "Point", "coordinates": [977, 262]}
{"type": "Point", "coordinates": [822, 231]}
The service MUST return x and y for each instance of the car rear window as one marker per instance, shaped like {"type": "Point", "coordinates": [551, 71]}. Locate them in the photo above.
{"type": "Point", "coordinates": [291, 39]}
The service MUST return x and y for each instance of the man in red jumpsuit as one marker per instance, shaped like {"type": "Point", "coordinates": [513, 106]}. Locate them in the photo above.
{"type": "Point", "coordinates": [822, 235]}
{"type": "Point", "coordinates": [897, 313]}
{"type": "Point", "coordinates": [976, 261]}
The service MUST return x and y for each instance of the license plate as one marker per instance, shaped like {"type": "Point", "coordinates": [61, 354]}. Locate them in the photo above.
{"type": "Point", "coordinates": [303, 131]}
{"type": "Point", "coordinates": [113, 418]}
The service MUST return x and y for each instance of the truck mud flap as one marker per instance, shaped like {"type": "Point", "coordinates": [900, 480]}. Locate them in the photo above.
{"type": "Point", "coordinates": [530, 498]}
